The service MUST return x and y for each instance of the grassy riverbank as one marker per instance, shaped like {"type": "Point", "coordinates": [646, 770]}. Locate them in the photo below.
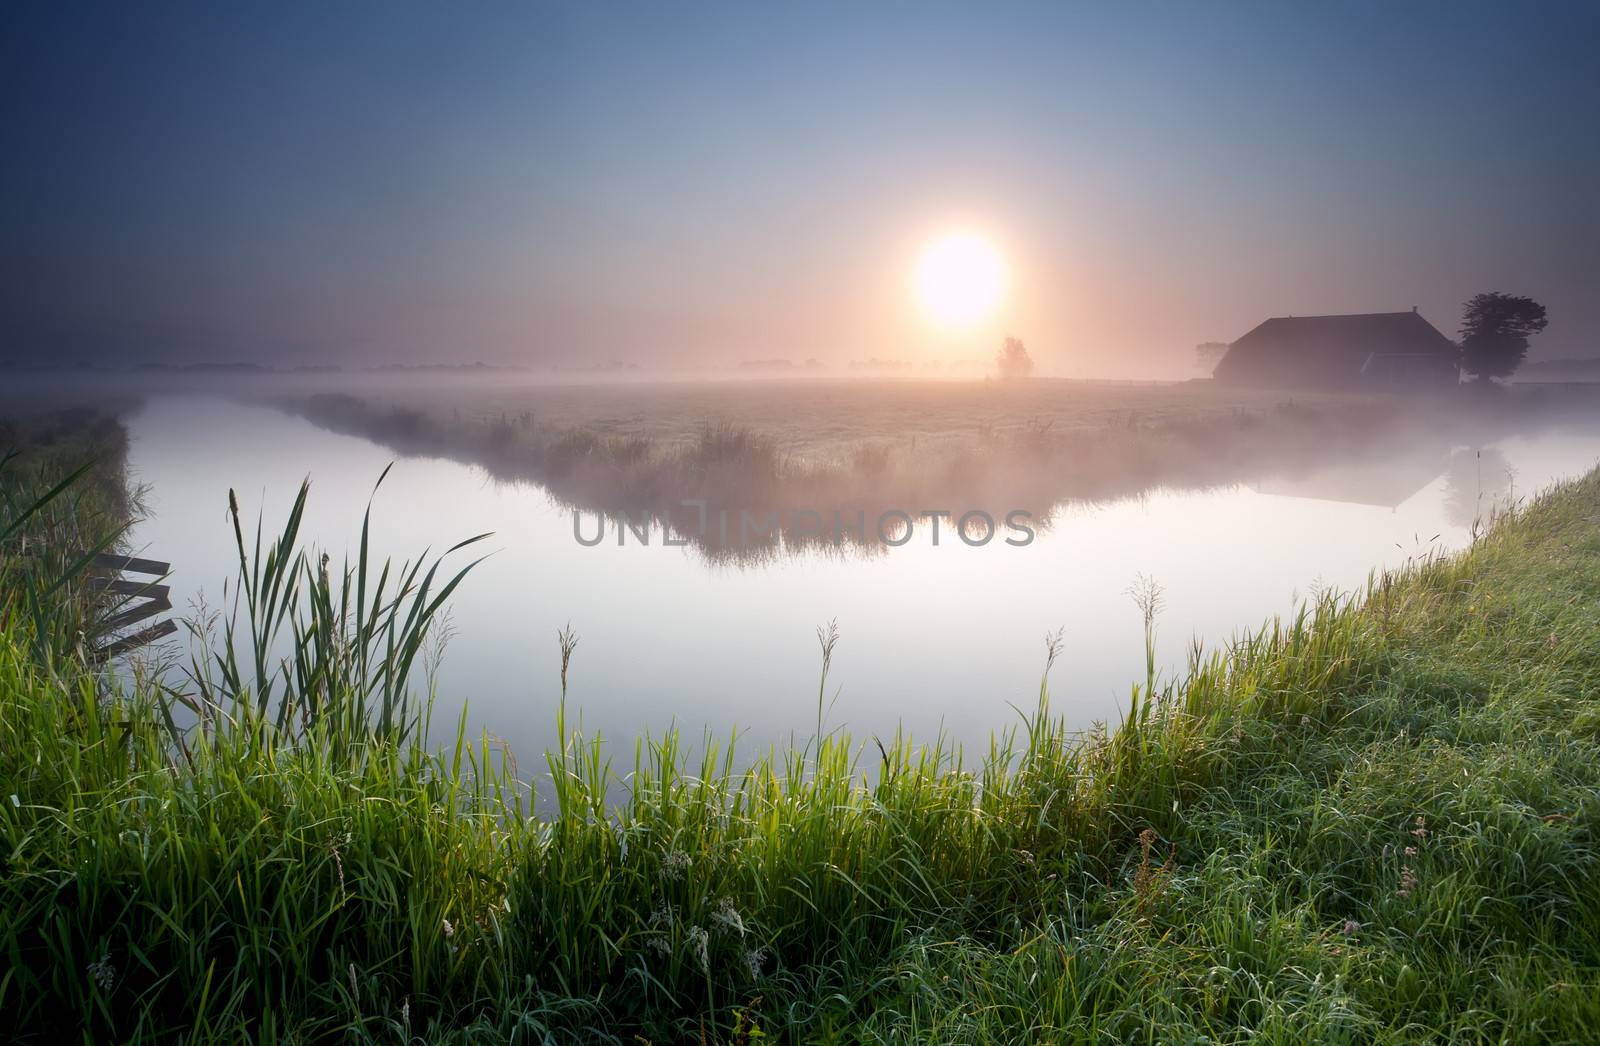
{"type": "Point", "coordinates": [1374, 822]}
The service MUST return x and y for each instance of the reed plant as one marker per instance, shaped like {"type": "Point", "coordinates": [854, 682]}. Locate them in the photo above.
{"type": "Point", "coordinates": [307, 649]}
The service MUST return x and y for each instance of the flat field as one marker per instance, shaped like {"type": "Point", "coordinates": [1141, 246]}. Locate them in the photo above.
{"type": "Point", "coordinates": [817, 423]}
{"type": "Point", "coordinates": [797, 451]}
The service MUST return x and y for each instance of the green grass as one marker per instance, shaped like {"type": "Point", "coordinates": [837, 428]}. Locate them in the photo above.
{"type": "Point", "coordinates": [63, 498]}
{"type": "Point", "coordinates": [1373, 822]}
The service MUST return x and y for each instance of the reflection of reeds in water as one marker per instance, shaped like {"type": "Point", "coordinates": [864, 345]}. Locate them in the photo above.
{"type": "Point", "coordinates": [1032, 463]}
{"type": "Point", "coordinates": [723, 470]}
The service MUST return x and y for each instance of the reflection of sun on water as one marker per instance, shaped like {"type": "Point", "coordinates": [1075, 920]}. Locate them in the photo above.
{"type": "Point", "coordinates": [960, 279]}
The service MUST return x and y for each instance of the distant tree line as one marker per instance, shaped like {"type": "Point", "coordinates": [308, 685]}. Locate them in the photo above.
{"type": "Point", "coordinates": [781, 364]}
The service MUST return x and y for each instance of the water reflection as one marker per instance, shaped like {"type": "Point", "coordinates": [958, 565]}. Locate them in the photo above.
{"type": "Point", "coordinates": [1382, 482]}
{"type": "Point", "coordinates": [933, 637]}
{"type": "Point", "coordinates": [1478, 486]}
{"type": "Point", "coordinates": [736, 496]}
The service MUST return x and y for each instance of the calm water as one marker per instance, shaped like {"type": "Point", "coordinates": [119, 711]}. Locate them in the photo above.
{"type": "Point", "coordinates": [932, 637]}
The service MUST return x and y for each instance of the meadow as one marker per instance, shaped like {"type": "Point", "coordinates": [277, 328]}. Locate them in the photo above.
{"type": "Point", "coordinates": [1373, 821]}
{"type": "Point", "coordinates": [819, 422]}
{"type": "Point", "coordinates": [793, 450]}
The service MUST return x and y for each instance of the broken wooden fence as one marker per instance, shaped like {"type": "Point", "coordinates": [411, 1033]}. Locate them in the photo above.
{"type": "Point", "coordinates": [145, 600]}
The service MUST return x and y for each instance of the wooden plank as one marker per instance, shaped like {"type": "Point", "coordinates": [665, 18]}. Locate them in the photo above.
{"type": "Point", "coordinates": [118, 587]}
{"type": "Point", "coordinates": [138, 639]}
{"type": "Point", "coordinates": [130, 564]}
{"type": "Point", "coordinates": [138, 613]}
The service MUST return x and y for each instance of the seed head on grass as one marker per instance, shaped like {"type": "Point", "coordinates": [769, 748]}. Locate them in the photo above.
{"type": "Point", "coordinates": [568, 639]}
{"type": "Point", "coordinates": [699, 943]}
{"type": "Point", "coordinates": [102, 973]}
{"type": "Point", "coordinates": [827, 639]}
{"type": "Point", "coordinates": [1149, 597]}
{"type": "Point", "coordinates": [675, 866]}
{"type": "Point", "coordinates": [441, 630]}
{"type": "Point", "coordinates": [727, 918]}
{"type": "Point", "coordinates": [1053, 644]}
{"type": "Point", "coordinates": [1148, 879]}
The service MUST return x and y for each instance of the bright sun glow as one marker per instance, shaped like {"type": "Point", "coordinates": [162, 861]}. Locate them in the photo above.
{"type": "Point", "coordinates": [960, 279]}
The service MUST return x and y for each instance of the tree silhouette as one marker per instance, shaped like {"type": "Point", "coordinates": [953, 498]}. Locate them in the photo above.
{"type": "Point", "coordinates": [1013, 361]}
{"type": "Point", "coordinates": [1494, 333]}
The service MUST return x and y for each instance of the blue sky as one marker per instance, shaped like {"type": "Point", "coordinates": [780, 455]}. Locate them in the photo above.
{"type": "Point", "coordinates": [677, 184]}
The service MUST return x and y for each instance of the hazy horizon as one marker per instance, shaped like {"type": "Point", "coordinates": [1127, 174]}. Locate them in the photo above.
{"type": "Point", "coordinates": [566, 186]}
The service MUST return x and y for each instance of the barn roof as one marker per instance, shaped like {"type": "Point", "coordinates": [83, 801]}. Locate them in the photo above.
{"type": "Point", "coordinates": [1330, 349]}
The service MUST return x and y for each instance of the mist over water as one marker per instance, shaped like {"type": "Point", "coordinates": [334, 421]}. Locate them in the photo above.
{"type": "Point", "coordinates": [934, 637]}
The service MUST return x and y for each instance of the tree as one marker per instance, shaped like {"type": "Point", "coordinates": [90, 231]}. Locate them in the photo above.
{"type": "Point", "coordinates": [1494, 333]}
{"type": "Point", "coordinates": [1013, 361]}
{"type": "Point", "coordinates": [1210, 353]}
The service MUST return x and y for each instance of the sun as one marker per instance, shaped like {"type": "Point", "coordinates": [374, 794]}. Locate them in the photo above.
{"type": "Point", "coordinates": [960, 279]}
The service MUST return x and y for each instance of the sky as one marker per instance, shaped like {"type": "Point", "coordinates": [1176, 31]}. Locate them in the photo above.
{"type": "Point", "coordinates": [678, 185]}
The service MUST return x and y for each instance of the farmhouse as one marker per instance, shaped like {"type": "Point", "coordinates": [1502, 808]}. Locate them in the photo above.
{"type": "Point", "coordinates": [1397, 351]}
